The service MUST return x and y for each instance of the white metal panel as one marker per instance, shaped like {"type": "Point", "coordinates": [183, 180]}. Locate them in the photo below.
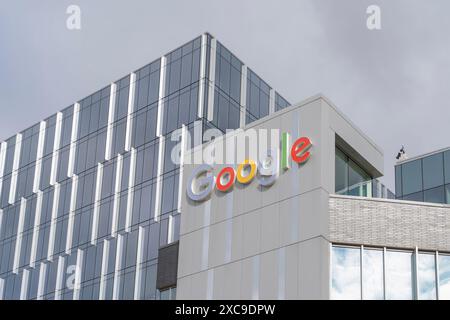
{"type": "Point", "coordinates": [96, 211]}
{"type": "Point", "coordinates": [23, 207]}
{"type": "Point", "coordinates": [56, 143]}
{"type": "Point", "coordinates": [24, 284]}
{"type": "Point", "coordinates": [130, 196]}
{"type": "Point", "coordinates": [243, 102]}
{"type": "Point", "coordinates": [3, 148]}
{"type": "Point", "coordinates": [70, 223]}
{"type": "Point", "coordinates": [212, 77]}
{"type": "Point", "coordinates": [73, 140]}
{"type": "Point", "coordinates": [42, 280]}
{"type": "Point", "coordinates": [104, 270]}
{"type": "Point", "coordinates": [59, 278]}
{"type": "Point", "coordinates": [39, 155]}
{"type": "Point", "coordinates": [139, 260]}
{"type": "Point", "coordinates": [53, 221]}
{"type": "Point", "coordinates": [159, 178]}
{"type": "Point", "coordinates": [201, 89]}
{"type": "Point", "coordinates": [15, 169]}
{"type": "Point", "coordinates": [118, 268]}
{"type": "Point", "coordinates": [162, 92]}
{"type": "Point", "coordinates": [78, 274]}
{"type": "Point", "coordinates": [116, 203]}
{"type": "Point", "coordinates": [37, 222]}
{"type": "Point", "coordinates": [131, 98]}
{"type": "Point", "coordinates": [111, 113]}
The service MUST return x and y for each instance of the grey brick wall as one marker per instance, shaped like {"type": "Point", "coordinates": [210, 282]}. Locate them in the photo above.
{"type": "Point", "coordinates": [390, 223]}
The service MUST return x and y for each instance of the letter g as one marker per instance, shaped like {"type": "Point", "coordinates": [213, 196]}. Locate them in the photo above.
{"type": "Point", "coordinates": [201, 183]}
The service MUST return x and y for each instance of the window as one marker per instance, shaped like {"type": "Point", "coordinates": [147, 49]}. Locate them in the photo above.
{"type": "Point", "coordinates": [350, 178]}
{"type": "Point", "coordinates": [398, 181]}
{"type": "Point", "coordinates": [373, 277]}
{"type": "Point", "coordinates": [426, 267]}
{"type": "Point", "coordinates": [418, 196]}
{"type": "Point", "coordinates": [433, 171]}
{"type": "Point", "coordinates": [341, 172]}
{"type": "Point", "coordinates": [412, 177]}
{"type": "Point", "coordinates": [399, 276]}
{"type": "Point", "coordinates": [447, 166]}
{"type": "Point", "coordinates": [447, 193]}
{"type": "Point", "coordinates": [346, 275]}
{"type": "Point", "coordinates": [444, 277]}
{"type": "Point", "coordinates": [388, 274]}
{"type": "Point", "coordinates": [436, 195]}
{"type": "Point", "coordinates": [356, 180]}
{"type": "Point", "coordinates": [168, 294]}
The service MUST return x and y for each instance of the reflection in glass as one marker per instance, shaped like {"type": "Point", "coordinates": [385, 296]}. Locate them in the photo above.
{"type": "Point", "coordinates": [418, 196]}
{"type": "Point", "coordinates": [350, 178]}
{"type": "Point", "coordinates": [356, 177]}
{"type": "Point", "coordinates": [373, 275]}
{"type": "Point", "coordinates": [435, 195]}
{"type": "Point", "coordinates": [412, 177]}
{"type": "Point", "coordinates": [444, 277]}
{"type": "Point", "coordinates": [398, 181]}
{"type": "Point", "coordinates": [399, 276]}
{"type": "Point", "coordinates": [341, 171]}
{"type": "Point", "coordinates": [447, 166]}
{"type": "Point", "coordinates": [433, 171]}
{"type": "Point", "coordinates": [426, 268]}
{"type": "Point", "coordinates": [447, 194]}
{"type": "Point", "coordinates": [346, 274]}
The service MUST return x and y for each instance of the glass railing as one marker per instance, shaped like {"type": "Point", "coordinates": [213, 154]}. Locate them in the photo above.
{"type": "Point", "coordinates": [372, 189]}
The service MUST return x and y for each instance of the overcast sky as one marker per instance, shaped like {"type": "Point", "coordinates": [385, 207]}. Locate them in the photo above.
{"type": "Point", "coordinates": [393, 83]}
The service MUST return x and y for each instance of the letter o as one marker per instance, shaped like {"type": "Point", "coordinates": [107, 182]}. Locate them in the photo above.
{"type": "Point", "coordinates": [241, 168]}
{"type": "Point", "coordinates": [225, 186]}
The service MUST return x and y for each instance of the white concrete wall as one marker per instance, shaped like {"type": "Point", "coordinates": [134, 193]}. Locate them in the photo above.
{"type": "Point", "coordinates": [273, 243]}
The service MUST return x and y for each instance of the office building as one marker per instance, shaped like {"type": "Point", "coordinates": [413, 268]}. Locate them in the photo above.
{"type": "Point", "coordinates": [89, 197]}
{"type": "Point", "coordinates": [93, 205]}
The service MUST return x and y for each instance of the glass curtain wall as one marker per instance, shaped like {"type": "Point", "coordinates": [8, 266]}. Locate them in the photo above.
{"type": "Point", "coordinates": [391, 274]}
{"type": "Point", "coordinates": [91, 193]}
{"type": "Point", "coordinates": [425, 179]}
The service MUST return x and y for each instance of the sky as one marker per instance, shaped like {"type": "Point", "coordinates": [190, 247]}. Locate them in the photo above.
{"type": "Point", "coordinates": [393, 83]}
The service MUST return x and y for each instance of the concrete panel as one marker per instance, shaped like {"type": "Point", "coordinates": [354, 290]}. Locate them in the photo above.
{"type": "Point", "coordinates": [314, 263]}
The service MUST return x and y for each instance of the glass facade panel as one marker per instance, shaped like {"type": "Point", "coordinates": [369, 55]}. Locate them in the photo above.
{"type": "Point", "coordinates": [444, 277]}
{"type": "Point", "coordinates": [398, 182]}
{"type": "Point", "coordinates": [447, 194]}
{"type": "Point", "coordinates": [433, 171]}
{"type": "Point", "coordinates": [399, 275]}
{"type": "Point", "coordinates": [447, 166]}
{"type": "Point", "coordinates": [389, 274]}
{"type": "Point", "coordinates": [350, 178]}
{"type": "Point", "coordinates": [341, 172]}
{"type": "Point", "coordinates": [373, 274]}
{"type": "Point", "coordinates": [412, 177]}
{"type": "Point", "coordinates": [346, 273]}
{"type": "Point", "coordinates": [436, 195]}
{"type": "Point", "coordinates": [64, 214]}
{"type": "Point", "coordinates": [418, 196]}
{"type": "Point", "coordinates": [426, 268]}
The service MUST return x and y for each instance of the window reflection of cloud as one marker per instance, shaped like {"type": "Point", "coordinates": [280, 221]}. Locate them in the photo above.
{"type": "Point", "coordinates": [426, 276]}
{"type": "Point", "coordinates": [444, 277]}
{"type": "Point", "coordinates": [398, 275]}
{"type": "Point", "coordinates": [346, 273]}
{"type": "Point", "coordinates": [373, 275]}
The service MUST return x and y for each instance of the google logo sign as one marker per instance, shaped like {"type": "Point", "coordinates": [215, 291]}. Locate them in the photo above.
{"type": "Point", "coordinates": [202, 181]}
